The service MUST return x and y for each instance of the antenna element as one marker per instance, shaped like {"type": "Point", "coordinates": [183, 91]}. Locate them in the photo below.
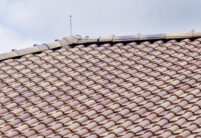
{"type": "Point", "coordinates": [71, 29]}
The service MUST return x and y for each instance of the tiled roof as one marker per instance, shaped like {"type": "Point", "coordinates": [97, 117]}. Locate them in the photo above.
{"type": "Point", "coordinates": [118, 87]}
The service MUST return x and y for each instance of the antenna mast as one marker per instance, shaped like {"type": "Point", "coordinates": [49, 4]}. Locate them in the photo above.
{"type": "Point", "coordinates": [71, 29]}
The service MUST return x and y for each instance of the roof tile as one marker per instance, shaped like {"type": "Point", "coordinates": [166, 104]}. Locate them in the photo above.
{"type": "Point", "coordinates": [103, 89]}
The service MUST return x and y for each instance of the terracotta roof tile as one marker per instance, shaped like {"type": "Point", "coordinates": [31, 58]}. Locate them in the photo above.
{"type": "Point", "coordinates": [110, 87]}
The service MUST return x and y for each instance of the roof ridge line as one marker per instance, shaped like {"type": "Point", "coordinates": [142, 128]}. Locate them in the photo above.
{"type": "Point", "coordinates": [72, 40]}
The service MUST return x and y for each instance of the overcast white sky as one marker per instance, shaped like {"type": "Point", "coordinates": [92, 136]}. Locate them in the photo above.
{"type": "Point", "coordinates": [27, 22]}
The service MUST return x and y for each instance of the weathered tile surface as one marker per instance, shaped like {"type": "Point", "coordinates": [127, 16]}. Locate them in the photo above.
{"type": "Point", "coordinates": [146, 89]}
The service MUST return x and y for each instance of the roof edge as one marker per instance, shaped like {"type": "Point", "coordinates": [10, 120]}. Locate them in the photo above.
{"type": "Point", "coordinates": [73, 40]}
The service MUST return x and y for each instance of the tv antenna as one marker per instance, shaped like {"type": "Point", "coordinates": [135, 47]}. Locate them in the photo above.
{"type": "Point", "coordinates": [71, 29]}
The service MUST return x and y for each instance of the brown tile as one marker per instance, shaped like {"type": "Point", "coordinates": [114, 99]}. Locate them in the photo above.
{"type": "Point", "coordinates": [121, 90]}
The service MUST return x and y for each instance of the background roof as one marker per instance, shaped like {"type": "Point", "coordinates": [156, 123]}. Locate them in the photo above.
{"type": "Point", "coordinates": [25, 22]}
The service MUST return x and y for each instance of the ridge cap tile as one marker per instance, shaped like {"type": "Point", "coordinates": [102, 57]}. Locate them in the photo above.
{"type": "Point", "coordinates": [67, 41]}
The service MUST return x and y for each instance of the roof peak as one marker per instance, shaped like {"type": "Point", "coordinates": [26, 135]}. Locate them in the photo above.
{"type": "Point", "coordinates": [73, 40]}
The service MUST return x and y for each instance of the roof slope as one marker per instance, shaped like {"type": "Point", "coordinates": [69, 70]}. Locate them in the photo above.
{"type": "Point", "coordinates": [108, 90]}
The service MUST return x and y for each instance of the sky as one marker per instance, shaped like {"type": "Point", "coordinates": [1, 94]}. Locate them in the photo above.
{"type": "Point", "coordinates": [27, 22]}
